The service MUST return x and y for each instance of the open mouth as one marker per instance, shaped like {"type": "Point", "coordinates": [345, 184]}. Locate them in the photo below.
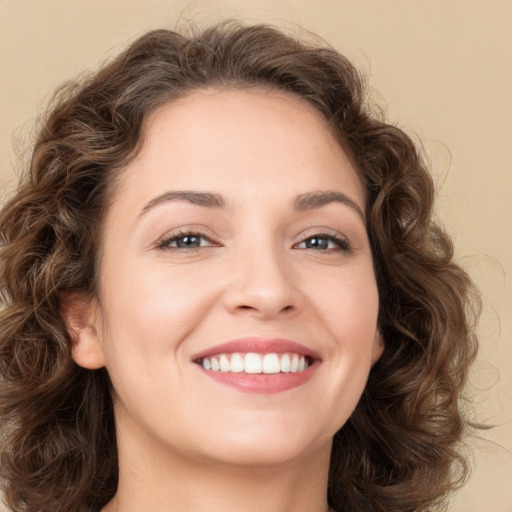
{"type": "Point", "coordinates": [256, 363]}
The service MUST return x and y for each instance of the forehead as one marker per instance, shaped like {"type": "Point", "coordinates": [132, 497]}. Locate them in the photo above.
{"type": "Point", "coordinates": [243, 141]}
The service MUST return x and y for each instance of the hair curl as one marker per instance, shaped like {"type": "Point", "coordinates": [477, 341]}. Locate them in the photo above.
{"type": "Point", "coordinates": [58, 446]}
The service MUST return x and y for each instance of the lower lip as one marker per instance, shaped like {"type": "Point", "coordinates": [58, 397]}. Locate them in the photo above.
{"type": "Point", "coordinates": [263, 383]}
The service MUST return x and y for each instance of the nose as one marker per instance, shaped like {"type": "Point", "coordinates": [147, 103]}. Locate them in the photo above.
{"type": "Point", "coordinates": [263, 284]}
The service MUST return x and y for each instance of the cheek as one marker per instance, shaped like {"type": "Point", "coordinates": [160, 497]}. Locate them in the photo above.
{"type": "Point", "coordinates": [153, 309]}
{"type": "Point", "coordinates": [148, 318]}
{"type": "Point", "coordinates": [348, 303]}
{"type": "Point", "coordinates": [348, 312]}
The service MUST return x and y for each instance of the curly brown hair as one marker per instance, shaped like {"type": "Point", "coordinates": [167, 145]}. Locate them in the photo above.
{"type": "Point", "coordinates": [58, 452]}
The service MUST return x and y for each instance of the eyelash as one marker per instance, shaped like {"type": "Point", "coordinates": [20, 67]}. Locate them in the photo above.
{"type": "Point", "coordinates": [165, 243]}
{"type": "Point", "coordinates": [342, 245]}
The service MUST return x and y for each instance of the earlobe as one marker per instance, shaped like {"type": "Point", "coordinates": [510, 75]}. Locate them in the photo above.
{"type": "Point", "coordinates": [80, 316]}
{"type": "Point", "coordinates": [378, 347]}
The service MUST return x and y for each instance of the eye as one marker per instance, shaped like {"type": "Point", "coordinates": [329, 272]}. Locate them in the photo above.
{"type": "Point", "coordinates": [324, 242]}
{"type": "Point", "coordinates": [185, 241]}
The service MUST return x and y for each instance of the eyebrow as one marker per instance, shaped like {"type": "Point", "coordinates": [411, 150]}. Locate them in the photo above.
{"type": "Point", "coordinates": [313, 200]}
{"type": "Point", "coordinates": [206, 199]}
{"type": "Point", "coordinates": [303, 202]}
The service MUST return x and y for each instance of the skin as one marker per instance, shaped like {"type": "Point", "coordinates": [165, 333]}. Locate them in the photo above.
{"type": "Point", "coordinates": [186, 442]}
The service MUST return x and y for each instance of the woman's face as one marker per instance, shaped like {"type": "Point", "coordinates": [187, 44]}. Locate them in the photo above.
{"type": "Point", "coordinates": [235, 240]}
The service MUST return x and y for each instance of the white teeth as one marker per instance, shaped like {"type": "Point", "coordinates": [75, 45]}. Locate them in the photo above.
{"type": "Point", "coordinates": [271, 363]}
{"type": "Point", "coordinates": [237, 363]}
{"type": "Point", "coordinates": [285, 363]}
{"type": "Point", "coordinates": [252, 363]}
{"type": "Point", "coordinates": [294, 365]}
{"type": "Point", "coordinates": [224, 364]}
{"type": "Point", "coordinates": [256, 363]}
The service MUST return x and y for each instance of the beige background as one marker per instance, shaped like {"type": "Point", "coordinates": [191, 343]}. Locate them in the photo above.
{"type": "Point", "coordinates": [444, 69]}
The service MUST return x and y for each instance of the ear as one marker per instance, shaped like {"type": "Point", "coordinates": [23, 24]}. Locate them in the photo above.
{"type": "Point", "coordinates": [80, 314]}
{"type": "Point", "coordinates": [378, 347]}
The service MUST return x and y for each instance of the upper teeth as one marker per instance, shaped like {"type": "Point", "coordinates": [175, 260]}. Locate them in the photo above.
{"type": "Point", "coordinates": [256, 363]}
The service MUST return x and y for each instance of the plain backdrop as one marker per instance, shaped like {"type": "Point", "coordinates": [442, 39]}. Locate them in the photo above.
{"type": "Point", "coordinates": [443, 69]}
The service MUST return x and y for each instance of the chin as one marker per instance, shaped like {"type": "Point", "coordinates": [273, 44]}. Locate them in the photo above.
{"type": "Point", "coordinates": [268, 445]}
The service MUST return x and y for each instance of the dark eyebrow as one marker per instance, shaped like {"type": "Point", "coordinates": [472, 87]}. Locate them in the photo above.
{"type": "Point", "coordinates": [303, 202]}
{"type": "Point", "coordinates": [312, 200]}
{"type": "Point", "coordinates": [206, 199]}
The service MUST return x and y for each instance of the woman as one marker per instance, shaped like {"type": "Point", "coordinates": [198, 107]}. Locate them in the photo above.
{"type": "Point", "coordinates": [224, 291]}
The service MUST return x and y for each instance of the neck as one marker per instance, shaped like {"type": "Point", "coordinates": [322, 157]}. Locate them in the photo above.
{"type": "Point", "coordinates": [168, 482]}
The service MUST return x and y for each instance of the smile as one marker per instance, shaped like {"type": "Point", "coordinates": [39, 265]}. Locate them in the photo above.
{"type": "Point", "coordinates": [255, 363]}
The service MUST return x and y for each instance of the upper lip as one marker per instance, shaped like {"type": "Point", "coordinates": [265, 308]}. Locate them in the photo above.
{"type": "Point", "coordinates": [259, 346]}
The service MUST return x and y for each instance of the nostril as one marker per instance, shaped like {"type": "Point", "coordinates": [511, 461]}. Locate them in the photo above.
{"type": "Point", "coordinates": [285, 309]}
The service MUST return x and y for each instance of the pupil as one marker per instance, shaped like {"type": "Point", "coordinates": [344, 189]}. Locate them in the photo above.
{"type": "Point", "coordinates": [318, 243]}
{"type": "Point", "coordinates": [187, 241]}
